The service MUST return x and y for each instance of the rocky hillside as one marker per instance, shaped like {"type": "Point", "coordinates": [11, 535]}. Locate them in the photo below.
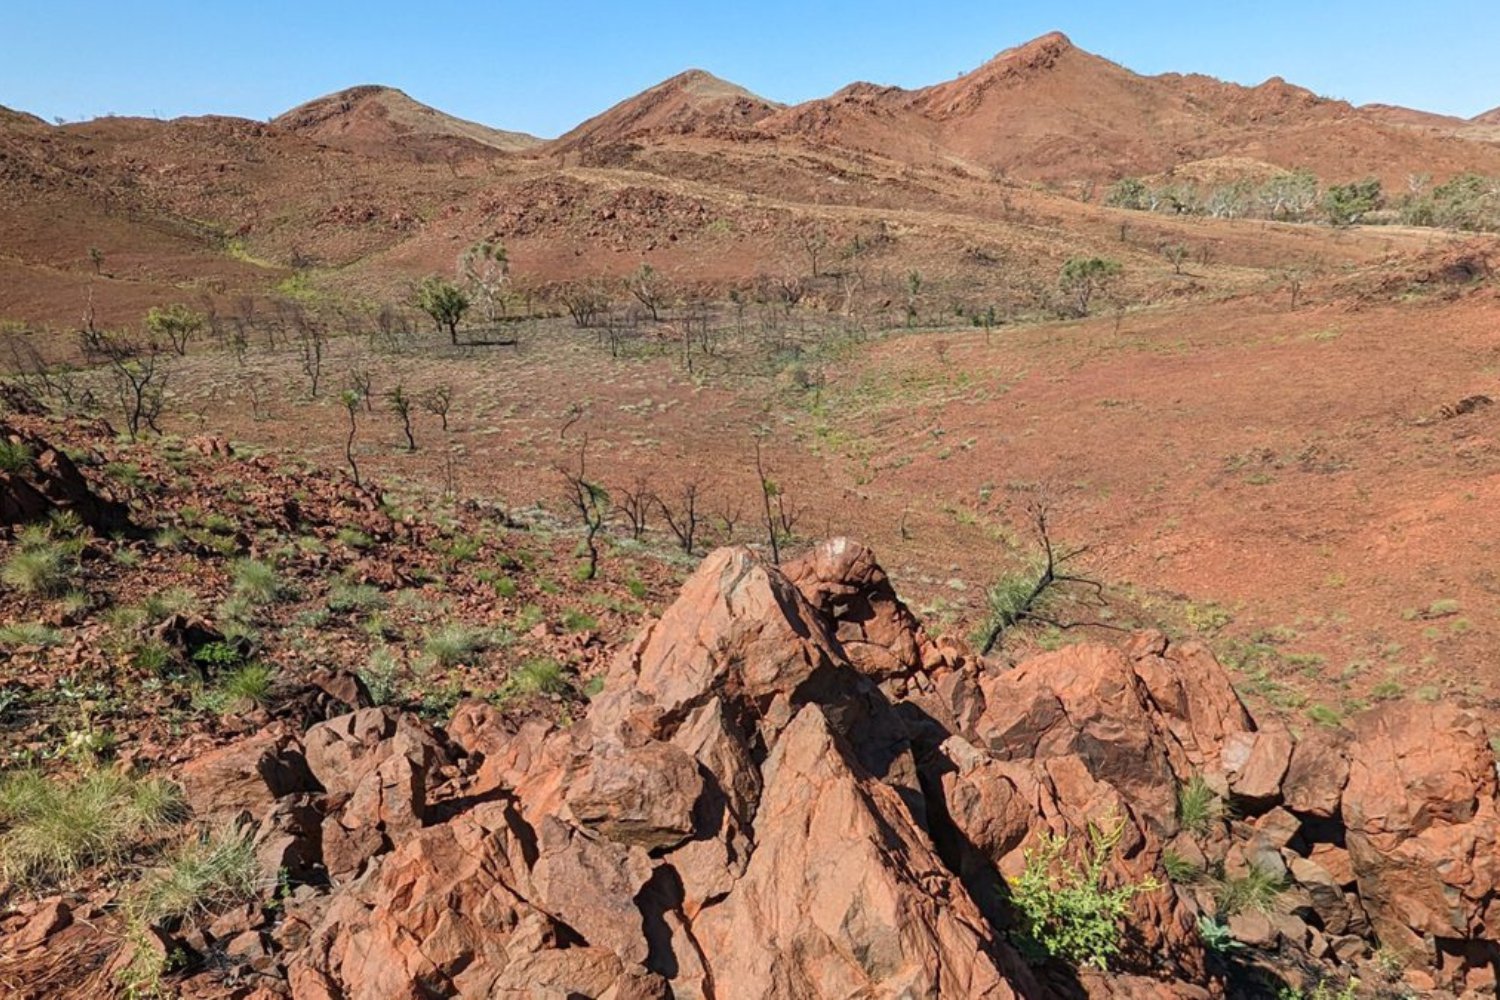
{"type": "Point", "coordinates": [377, 120]}
{"type": "Point", "coordinates": [783, 787]}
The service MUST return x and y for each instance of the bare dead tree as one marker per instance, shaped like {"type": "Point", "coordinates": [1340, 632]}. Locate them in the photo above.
{"type": "Point", "coordinates": [650, 288]}
{"type": "Point", "coordinates": [591, 501]}
{"type": "Point", "coordinates": [362, 383]}
{"type": "Point", "coordinates": [779, 520]}
{"type": "Point", "coordinates": [585, 301]}
{"type": "Point", "coordinates": [438, 401]}
{"type": "Point", "coordinates": [400, 403]}
{"type": "Point", "coordinates": [729, 519]}
{"type": "Point", "coordinates": [1016, 600]}
{"type": "Point", "coordinates": [683, 523]}
{"type": "Point", "coordinates": [636, 501]}
{"type": "Point", "coordinates": [140, 370]}
{"type": "Point", "coordinates": [311, 340]}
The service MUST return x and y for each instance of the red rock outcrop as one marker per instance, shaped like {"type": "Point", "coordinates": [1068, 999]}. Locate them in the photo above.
{"type": "Point", "coordinates": [787, 789]}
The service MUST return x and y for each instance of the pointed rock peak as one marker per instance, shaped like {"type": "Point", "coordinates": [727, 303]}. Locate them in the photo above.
{"type": "Point", "coordinates": [700, 83]}
{"type": "Point", "coordinates": [1039, 53]}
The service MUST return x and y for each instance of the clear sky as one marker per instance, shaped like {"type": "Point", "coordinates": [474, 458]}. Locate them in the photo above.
{"type": "Point", "coordinates": [544, 67]}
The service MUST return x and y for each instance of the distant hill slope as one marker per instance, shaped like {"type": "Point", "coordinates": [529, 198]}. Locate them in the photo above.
{"type": "Point", "coordinates": [1048, 110]}
{"type": "Point", "coordinates": [375, 119]}
{"type": "Point", "coordinates": [691, 103]}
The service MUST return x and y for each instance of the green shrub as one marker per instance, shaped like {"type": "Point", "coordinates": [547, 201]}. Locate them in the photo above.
{"type": "Point", "coordinates": [534, 677]}
{"type": "Point", "coordinates": [382, 676]}
{"type": "Point", "coordinates": [577, 621]}
{"type": "Point", "coordinates": [354, 538]}
{"type": "Point", "coordinates": [38, 570]}
{"type": "Point", "coordinates": [1065, 912]}
{"type": "Point", "coordinates": [248, 685]}
{"type": "Point", "coordinates": [1180, 871]}
{"type": "Point", "coordinates": [1216, 936]}
{"type": "Point", "coordinates": [1198, 806]}
{"type": "Point", "coordinates": [203, 875]}
{"type": "Point", "coordinates": [215, 657]}
{"type": "Point", "coordinates": [154, 656]}
{"type": "Point", "coordinates": [53, 828]}
{"type": "Point", "coordinates": [361, 598]}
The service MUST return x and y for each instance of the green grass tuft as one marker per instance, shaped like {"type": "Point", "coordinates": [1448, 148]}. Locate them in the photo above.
{"type": "Point", "coordinates": [54, 828]}
{"type": "Point", "coordinates": [1198, 806]}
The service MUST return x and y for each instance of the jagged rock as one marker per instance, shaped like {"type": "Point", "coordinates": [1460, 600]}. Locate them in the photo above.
{"type": "Point", "coordinates": [50, 483]}
{"type": "Point", "coordinates": [741, 814]}
{"type": "Point", "coordinates": [1325, 894]}
{"type": "Point", "coordinates": [1421, 815]}
{"type": "Point", "coordinates": [644, 796]}
{"type": "Point", "coordinates": [1255, 763]}
{"type": "Point", "coordinates": [1316, 775]}
{"type": "Point", "coordinates": [843, 896]}
{"type": "Point", "coordinates": [374, 764]}
{"type": "Point", "coordinates": [51, 916]}
{"type": "Point", "coordinates": [248, 775]}
{"type": "Point", "coordinates": [441, 915]}
{"type": "Point", "coordinates": [878, 634]}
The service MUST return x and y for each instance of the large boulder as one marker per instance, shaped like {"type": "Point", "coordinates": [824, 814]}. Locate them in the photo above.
{"type": "Point", "coordinates": [1422, 823]}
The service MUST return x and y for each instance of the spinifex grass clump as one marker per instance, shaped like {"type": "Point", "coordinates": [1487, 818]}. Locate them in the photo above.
{"type": "Point", "coordinates": [52, 828]}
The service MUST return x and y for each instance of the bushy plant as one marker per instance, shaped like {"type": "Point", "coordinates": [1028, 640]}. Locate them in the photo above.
{"type": "Point", "coordinates": [1065, 910]}
{"type": "Point", "coordinates": [454, 644]}
{"type": "Point", "coordinates": [15, 457]}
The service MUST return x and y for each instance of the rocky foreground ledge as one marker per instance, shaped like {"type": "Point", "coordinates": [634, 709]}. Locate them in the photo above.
{"type": "Point", "coordinates": [787, 789]}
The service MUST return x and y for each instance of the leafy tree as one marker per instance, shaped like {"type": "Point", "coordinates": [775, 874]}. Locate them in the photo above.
{"type": "Point", "coordinates": [1129, 192]}
{"type": "Point", "coordinates": [1346, 204]}
{"type": "Point", "coordinates": [444, 301]}
{"type": "Point", "coordinates": [649, 288]}
{"type": "Point", "coordinates": [485, 267]}
{"type": "Point", "coordinates": [178, 323]}
{"type": "Point", "coordinates": [1083, 276]}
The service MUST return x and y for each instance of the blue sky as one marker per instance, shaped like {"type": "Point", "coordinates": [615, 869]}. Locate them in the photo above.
{"type": "Point", "coordinates": [543, 67]}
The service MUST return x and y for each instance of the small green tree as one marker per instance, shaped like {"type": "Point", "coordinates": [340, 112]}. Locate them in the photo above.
{"type": "Point", "coordinates": [350, 398]}
{"type": "Point", "coordinates": [1346, 204]}
{"type": "Point", "coordinates": [444, 301]}
{"type": "Point", "coordinates": [178, 323]}
{"type": "Point", "coordinates": [1082, 277]}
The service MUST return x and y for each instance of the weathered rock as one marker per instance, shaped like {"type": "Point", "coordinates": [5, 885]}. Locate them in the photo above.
{"type": "Point", "coordinates": [843, 896]}
{"type": "Point", "coordinates": [643, 796]}
{"type": "Point", "coordinates": [877, 633]}
{"type": "Point", "coordinates": [1421, 815]}
{"type": "Point", "coordinates": [1255, 763]}
{"type": "Point", "coordinates": [51, 916]}
{"type": "Point", "coordinates": [1325, 894]}
{"type": "Point", "coordinates": [247, 775]}
{"type": "Point", "coordinates": [1316, 775]}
